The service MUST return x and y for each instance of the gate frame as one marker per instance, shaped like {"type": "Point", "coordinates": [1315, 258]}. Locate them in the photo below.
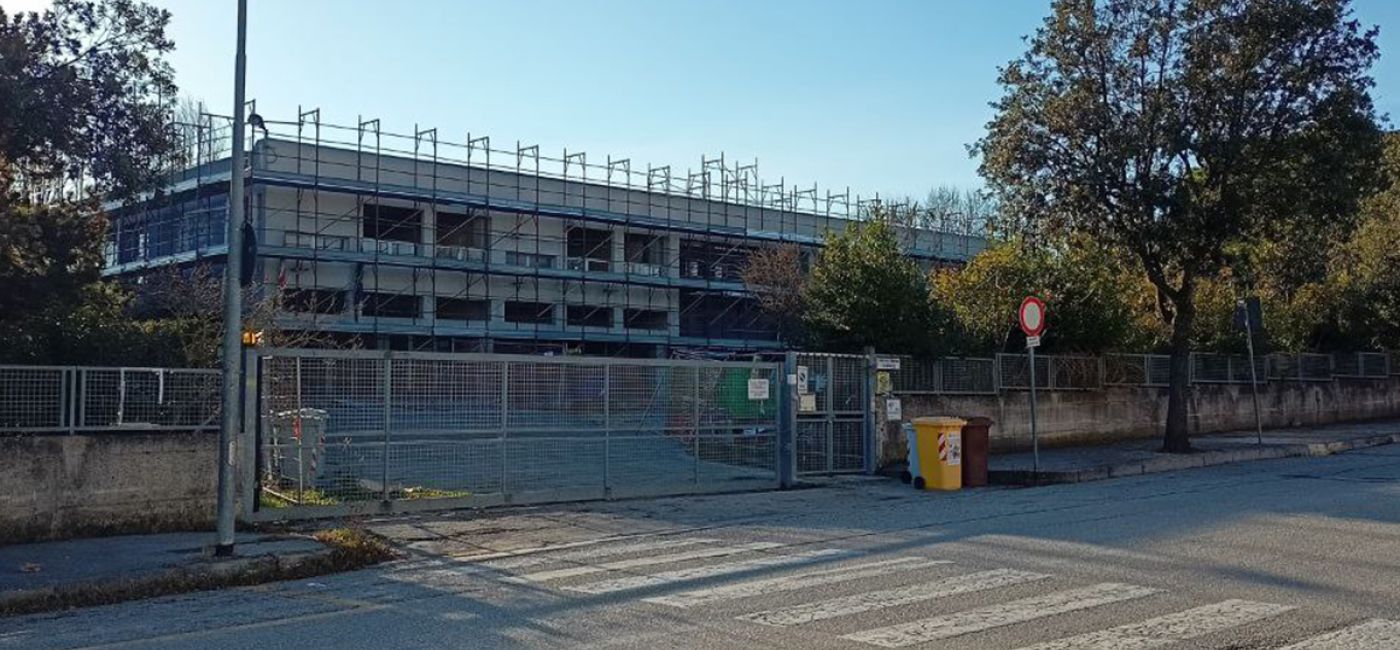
{"type": "Point", "coordinates": [248, 442]}
{"type": "Point", "coordinates": [789, 430]}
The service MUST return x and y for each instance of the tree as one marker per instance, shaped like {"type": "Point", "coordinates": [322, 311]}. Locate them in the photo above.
{"type": "Point", "coordinates": [1364, 282]}
{"type": "Point", "coordinates": [1094, 299]}
{"type": "Point", "coordinates": [1180, 131]}
{"type": "Point", "coordinates": [864, 291]}
{"type": "Point", "coordinates": [85, 94]}
{"type": "Point", "coordinates": [777, 277]}
{"type": "Point", "coordinates": [84, 101]}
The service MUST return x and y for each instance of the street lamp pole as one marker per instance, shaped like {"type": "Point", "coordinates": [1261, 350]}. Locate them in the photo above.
{"type": "Point", "coordinates": [233, 301]}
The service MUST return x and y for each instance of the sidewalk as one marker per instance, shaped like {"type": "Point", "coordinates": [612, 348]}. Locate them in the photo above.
{"type": "Point", "coordinates": [1130, 458]}
{"type": "Point", "coordinates": [82, 572]}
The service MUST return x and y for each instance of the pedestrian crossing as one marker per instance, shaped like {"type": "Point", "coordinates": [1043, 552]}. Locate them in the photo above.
{"type": "Point", "coordinates": [832, 591]}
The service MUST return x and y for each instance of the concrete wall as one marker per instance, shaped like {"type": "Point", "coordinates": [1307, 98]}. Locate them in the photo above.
{"type": "Point", "coordinates": [1123, 412]}
{"type": "Point", "coordinates": [53, 487]}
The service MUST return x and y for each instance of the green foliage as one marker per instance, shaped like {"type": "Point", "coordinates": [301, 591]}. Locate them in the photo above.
{"type": "Point", "coordinates": [86, 95]}
{"type": "Point", "coordinates": [1364, 278]}
{"type": "Point", "coordinates": [1183, 133]}
{"type": "Point", "coordinates": [864, 291]}
{"type": "Point", "coordinates": [1095, 302]}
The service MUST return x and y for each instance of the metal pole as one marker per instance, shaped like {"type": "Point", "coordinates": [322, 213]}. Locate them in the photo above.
{"type": "Point", "coordinates": [233, 303]}
{"type": "Point", "coordinates": [1035, 437]}
{"type": "Point", "coordinates": [1253, 376]}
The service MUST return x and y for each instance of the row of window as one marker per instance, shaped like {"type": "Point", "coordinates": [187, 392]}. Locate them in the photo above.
{"type": "Point", "coordinates": [325, 301]}
{"type": "Point", "coordinates": [394, 223]}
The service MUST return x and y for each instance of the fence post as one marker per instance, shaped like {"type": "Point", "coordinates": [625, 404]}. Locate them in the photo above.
{"type": "Point", "coordinates": [388, 410]}
{"type": "Point", "coordinates": [607, 429]}
{"type": "Point", "coordinates": [787, 422]}
{"type": "Point", "coordinates": [695, 470]}
{"type": "Point", "coordinates": [81, 381]}
{"type": "Point", "coordinates": [66, 402]}
{"type": "Point", "coordinates": [246, 476]}
{"type": "Point", "coordinates": [505, 423]}
{"type": "Point", "coordinates": [868, 423]}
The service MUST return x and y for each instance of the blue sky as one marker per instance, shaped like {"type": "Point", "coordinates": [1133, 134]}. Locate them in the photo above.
{"type": "Point", "coordinates": [879, 95]}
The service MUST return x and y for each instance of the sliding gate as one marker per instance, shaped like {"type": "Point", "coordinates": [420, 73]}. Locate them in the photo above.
{"type": "Point", "coordinates": [364, 431]}
{"type": "Point", "coordinates": [832, 413]}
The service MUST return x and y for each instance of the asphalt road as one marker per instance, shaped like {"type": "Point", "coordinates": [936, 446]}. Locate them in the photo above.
{"type": "Point", "coordinates": [1295, 553]}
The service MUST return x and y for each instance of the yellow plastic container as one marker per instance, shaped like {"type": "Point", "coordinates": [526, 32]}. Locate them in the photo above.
{"type": "Point", "coordinates": [940, 452]}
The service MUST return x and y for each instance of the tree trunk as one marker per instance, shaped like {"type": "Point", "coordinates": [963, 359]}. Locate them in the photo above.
{"type": "Point", "coordinates": [1177, 439]}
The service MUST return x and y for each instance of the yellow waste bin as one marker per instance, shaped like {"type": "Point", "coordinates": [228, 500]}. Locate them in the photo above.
{"type": "Point", "coordinates": [940, 453]}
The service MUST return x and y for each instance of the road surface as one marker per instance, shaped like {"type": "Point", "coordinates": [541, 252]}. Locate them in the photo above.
{"type": "Point", "coordinates": [1294, 553]}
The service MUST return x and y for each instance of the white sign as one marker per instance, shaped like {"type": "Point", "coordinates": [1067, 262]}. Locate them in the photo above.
{"type": "Point", "coordinates": [1032, 316]}
{"type": "Point", "coordinates": [893, 410]}
{"type": "Point", "coordinates": [802, 386]}
{"type": "Point", "coordinates": [887, 363]}
{"type": "Point", "coordinates": [758, 389]}
{"type": "Point", "coordinates": [950, 448]}
{"type": "Point", "coordinates": [807, 403]}
{"type": "Point", "coordinates": [1032, 341]}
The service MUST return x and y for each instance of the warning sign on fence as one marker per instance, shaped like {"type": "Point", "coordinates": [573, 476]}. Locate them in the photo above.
{"type": "Point", "coordinates": [758, 389]}
{"type": "Point", "coordinates": [950, 448]}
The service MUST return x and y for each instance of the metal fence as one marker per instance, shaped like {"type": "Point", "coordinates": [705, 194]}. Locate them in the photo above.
{"type": "Point", "coordinates": [71, 399]}
{"type": "Point", "coordinates": [952, 376]}
{"type": "Point", "coordinates": [946, 376]}
{"type": "Point", "coordinates": [341, 428]}
{"type": "Point", "coordinates": [1052, 372]}
{"type": "Point", "coordinates": [832, 413]}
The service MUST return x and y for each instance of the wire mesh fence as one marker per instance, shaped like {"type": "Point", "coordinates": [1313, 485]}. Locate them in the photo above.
{"type": "Point", "coordinates": [346, 427]}
{"type": "Point", "coordinates": [1052, 372]}
{"type": "Point", "coordinates": [68, 399]}
{"type": "Point", "coordinates": [1137, 369]}
{"type": "Point", "coordinates": [950, 376]}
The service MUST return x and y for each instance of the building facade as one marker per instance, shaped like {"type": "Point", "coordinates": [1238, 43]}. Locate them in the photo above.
{"type": "Point", "coordinates": [409, 243]}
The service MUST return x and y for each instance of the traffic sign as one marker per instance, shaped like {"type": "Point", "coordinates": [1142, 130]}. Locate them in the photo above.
{"type": "Point", "coordinates": [1032, 341]}
{"type": "Point", "coordinates": [1032, 316]}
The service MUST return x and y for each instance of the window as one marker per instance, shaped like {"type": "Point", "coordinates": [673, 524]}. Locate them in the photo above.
{"type": "Point", "coordinates": [592, 247]}
{"type": "Point", "coordinates": [532, 260]}
{"type": "Point", "coordinates": [645, 319]}
{"type": "Point", "coordinates": [715, 260]}
{"type": "Point", "coordinates": [537, 313]}
{"type": "Point", "coordinates": [465, 230]}
{"type": "Point", "coordinates": [314, 301]}
{"type": "Point", "coordinates": [463, 309]}
{"type": "Point", "coordinates": [391, 222]}
{"type": "Point", "coordinates": [387, 305]}
{"type": "Point", "coordinates": [589, 316]}
{"type": "Point", "coordinates": [645, 249]}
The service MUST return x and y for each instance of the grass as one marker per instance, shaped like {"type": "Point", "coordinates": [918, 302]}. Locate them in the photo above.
{"type": "Point", "coordinates": [286, 498]}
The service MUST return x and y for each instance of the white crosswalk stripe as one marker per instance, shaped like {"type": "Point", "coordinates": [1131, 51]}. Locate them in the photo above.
{"type": "Point", "coordinates": [875, 600]}
{"type": "Point", "coordinates": [1375, 634]}
{"type": "Point", "coordinates": [709, 571]}
{"type": "Point", "coordinates": [794, 582]}
{"type": "Point", "coordinates": [1169, 629]}
{"type": "Point", "coordinates": [591, 553]}
{"type": "Point", "coordinates": [635, 563]}
{"type": "Point", "coordinates": [986, 618]}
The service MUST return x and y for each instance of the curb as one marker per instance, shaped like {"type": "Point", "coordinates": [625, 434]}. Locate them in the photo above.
{"type": "Point", "coordinates": [1175, 463]}
{"type": "Point", "coordinates": [211, 574]}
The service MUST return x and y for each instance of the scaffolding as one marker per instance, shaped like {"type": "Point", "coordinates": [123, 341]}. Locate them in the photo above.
{"type": "Point", "coordinates": [416, 241]}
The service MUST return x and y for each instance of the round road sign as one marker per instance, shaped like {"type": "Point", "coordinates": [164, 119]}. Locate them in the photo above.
{"type": "Point", "coordinates": [1032, 316]}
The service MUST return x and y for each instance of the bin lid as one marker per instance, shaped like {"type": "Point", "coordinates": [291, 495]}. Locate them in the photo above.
{"type": "Point", "coordinates": [940, 421]}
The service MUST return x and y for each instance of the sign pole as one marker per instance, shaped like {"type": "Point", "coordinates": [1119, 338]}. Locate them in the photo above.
{"type": "Point", "coordinates": [1032, 319]}
{"type": "Point", "coordinates": [1035, 437]}
{"type": "Point", "coordinates": [1253, 375]}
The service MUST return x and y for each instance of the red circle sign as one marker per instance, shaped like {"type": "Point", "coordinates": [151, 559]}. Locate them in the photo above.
{"type": "Point", "coordinates": [1032, 316]}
